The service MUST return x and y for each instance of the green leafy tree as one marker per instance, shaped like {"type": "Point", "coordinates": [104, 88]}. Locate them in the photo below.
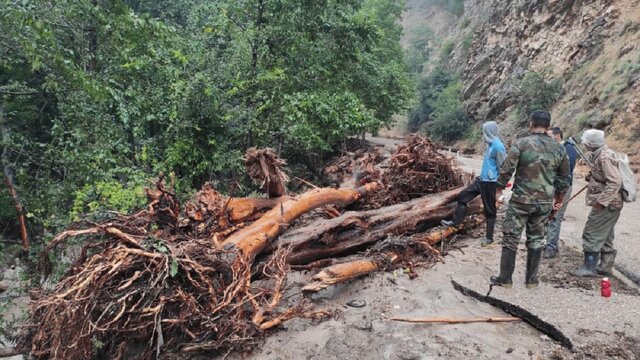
{"type": "Point", "coordinates": [429, 90]}
{"type": "Point", "coordinates": [102, 94]}
{"type": "Point", "coordinates": [538, 90]}
{"type": "Point", "coordinates": [450, 121]}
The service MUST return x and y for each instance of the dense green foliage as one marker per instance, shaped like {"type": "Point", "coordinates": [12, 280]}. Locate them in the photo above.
{"type": "Point", "coordinates": [449, 118]}
{"type": "Point", "coordinates": [439, 111]}
{"type": "Point", "coordinates": [429, 89]}
{"type": "Point", "coordinates": [100, 95]}
{"type": "Point", "coordinates": [538, 91]}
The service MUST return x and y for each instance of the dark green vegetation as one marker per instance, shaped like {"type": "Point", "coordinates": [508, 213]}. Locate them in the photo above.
{"type": "Point", "coordinates": [439, 111]}
{"type": "Point", "coordinates": [538, 90]}
{"type": "Point", "coordinates": [100, 95]}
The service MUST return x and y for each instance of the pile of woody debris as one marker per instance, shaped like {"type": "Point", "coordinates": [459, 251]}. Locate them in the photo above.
{"type": "Point", "coordinates": [210, 276]}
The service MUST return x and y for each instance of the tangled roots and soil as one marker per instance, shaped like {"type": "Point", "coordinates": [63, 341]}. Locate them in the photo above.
{"type": "Point", "coordinates": [266, 167]}
{"type": "Point", "coordinates": [143, 288]}
{"type": "Point", "coordinates": [417, 169]}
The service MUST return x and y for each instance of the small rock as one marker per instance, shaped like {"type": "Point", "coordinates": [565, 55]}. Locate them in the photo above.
{"type": "Point", "coordinates": [625, 50]}
{"type": "Point", "coordinates": [510, 350]}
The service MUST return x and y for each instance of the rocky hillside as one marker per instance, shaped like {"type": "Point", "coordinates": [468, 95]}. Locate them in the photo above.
{"type": "Point", "coordinates": [591, 47]}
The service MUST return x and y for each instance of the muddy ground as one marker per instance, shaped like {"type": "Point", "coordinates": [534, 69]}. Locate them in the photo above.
{"type": "Point", "coordinates": [599, 328]}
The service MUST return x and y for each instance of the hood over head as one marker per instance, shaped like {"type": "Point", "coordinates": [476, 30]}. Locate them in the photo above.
{"type": "Point", "coordinates": [593, 138]}
{"type": "Point", "coordinates": [490, 131]}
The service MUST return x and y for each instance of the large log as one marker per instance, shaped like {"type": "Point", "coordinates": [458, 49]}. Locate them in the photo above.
{"type": "Point", "coordinates": [354, 230]}
{"type": "Point", "coordinates": [251, 240]}
{"type": "Point", "coordinates": [346, 271]}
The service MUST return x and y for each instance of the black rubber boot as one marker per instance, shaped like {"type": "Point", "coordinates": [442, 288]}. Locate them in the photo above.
{"type": "Point", "coordinates": [458, 216]}
{"type": "Point", "coordinates": [550, 253]}
{"type": "Point", "coordinates": [606, 263]}
{"type": "Point", "coordinates": [507, 265]}
{"type": "Point", "coordinates": [533, 262]}
{"type": "Point", "coordinates": [488, 239]}
{"type": "Point", "coordinates": [589, 267]}
{"type": "Point", "coordinates": [491, 225]}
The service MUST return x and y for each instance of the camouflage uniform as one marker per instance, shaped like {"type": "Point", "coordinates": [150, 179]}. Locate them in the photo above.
{"type": "Point", "coordinates": [542, 169]}
{"type": "Point", "coordinates": [604, 189]}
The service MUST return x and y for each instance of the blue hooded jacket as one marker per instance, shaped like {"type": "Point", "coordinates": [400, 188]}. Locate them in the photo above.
{"type": "Point", "coordinates": [495, 153]}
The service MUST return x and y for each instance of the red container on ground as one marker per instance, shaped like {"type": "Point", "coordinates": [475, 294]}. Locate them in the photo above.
{"type": "Point", "coordinates": [605, 287]}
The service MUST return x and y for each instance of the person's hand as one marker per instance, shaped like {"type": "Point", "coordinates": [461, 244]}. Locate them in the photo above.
{"type": "Point", "coordinates": [587, 177]}
{"type": "Point", "coordinates": [499, 196]}
{"type": "Point", "coordinates": [557, 205]}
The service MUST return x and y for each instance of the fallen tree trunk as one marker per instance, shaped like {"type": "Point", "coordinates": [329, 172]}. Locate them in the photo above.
{"type": "Point", "coordinates": [354, 230]}
{"type": "Point", "coordinates": [318, 230]}
{"type": "Point", "coordinates": [251, 240]}
{"type": "Point", "coordinates": [346, 271]}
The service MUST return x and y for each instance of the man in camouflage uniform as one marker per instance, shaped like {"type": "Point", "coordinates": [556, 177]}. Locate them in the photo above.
{"type": "Point", "coordinates": [541, 169]}
{"type": "Point", "coordinates": [603, 195]}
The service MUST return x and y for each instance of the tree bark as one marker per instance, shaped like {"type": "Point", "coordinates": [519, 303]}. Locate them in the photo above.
{"type": "Point", "coordinates": [9, 181]}
{"type": "Point", "coordinates": [241, 209]}
{"type": "Point", "coordinates": [253, 239]}
{"type": "Point", "coordinates": [346, 271]}
{"type": "Point", "coordinates": [354, 230]}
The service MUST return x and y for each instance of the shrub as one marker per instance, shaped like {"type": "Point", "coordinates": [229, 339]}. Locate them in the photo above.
{"type": "Point", "coordinates": [429, 90]}
{"type": "Point", "coordinates": [454, 6]}
{"type": "Point", "coordinates": [538, 90]}
{"type": "Point", "coordinates": [446, 49]}
{"type": "Point", "coordinates": [467, 42]}
{"type": "Point", "coordinates": [450, 120]}
{"type": "Point", "coordinates": [108, 196]}
{"type": "Point", "coordinates": [465, 23]}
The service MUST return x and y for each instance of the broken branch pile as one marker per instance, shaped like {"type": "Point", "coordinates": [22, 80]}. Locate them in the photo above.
{"type": "Point", "coordinates": [417, 169]}
{"type": "Point", "coordinates": [265, 167]}
{"type": "Point", "coordinates": [213, 277]}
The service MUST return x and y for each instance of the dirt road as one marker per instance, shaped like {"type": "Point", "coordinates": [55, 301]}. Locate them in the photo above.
{"type": "Point", "coordinates": [598, 327]}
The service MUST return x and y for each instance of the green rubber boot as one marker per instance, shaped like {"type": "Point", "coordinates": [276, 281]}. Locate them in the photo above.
{"type": "Point", "coordinates": [589, 267]}
{"type": "Point", "coordinates": [606, 263]}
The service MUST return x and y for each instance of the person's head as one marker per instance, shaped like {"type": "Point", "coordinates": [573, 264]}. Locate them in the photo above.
{"type": "Point", "coordinates": [556, 134]}
{"type": "Point", "coordinates": [490, 131]}
{"type": "Point", "coordinates": [539, 121]}
{"type": "Point", "coordinates": [593, 139]}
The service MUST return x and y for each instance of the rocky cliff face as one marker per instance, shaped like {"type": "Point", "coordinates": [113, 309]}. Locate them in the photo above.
{"type": "Point", "coordinates": [593, 46]}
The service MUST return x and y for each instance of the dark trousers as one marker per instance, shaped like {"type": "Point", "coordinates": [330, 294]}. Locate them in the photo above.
{"type": "Point", "coordinates": [486, 190]}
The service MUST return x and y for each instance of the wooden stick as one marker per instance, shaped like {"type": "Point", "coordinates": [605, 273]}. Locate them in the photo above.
{"type": "Point", "coordinates": [578, 193]}
{"type": "Point", "coordinates": [444, 320]}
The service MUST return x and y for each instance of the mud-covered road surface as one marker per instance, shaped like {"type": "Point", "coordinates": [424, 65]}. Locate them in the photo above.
{"type": "Point", "coordinates": [599, 328]}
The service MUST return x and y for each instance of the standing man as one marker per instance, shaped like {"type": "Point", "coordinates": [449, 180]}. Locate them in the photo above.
{"type": "Point", "coordinates": [541, 169]}
{"type": "Point", "coordinates": [551, 249]}
{"type": "Point", "coordinates": [485, 184]}
{"type": "Point", "coordinates": [603, 195]}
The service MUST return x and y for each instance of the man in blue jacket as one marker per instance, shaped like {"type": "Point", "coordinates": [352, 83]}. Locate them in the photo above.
{"type": "Point", "coordinates": [485, 184]}
{"type": "Point", "coordinates": [551, 248]}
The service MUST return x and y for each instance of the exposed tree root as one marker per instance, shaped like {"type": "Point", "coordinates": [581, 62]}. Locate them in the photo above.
{"type": "Point", "coordinates": [165, 280]}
